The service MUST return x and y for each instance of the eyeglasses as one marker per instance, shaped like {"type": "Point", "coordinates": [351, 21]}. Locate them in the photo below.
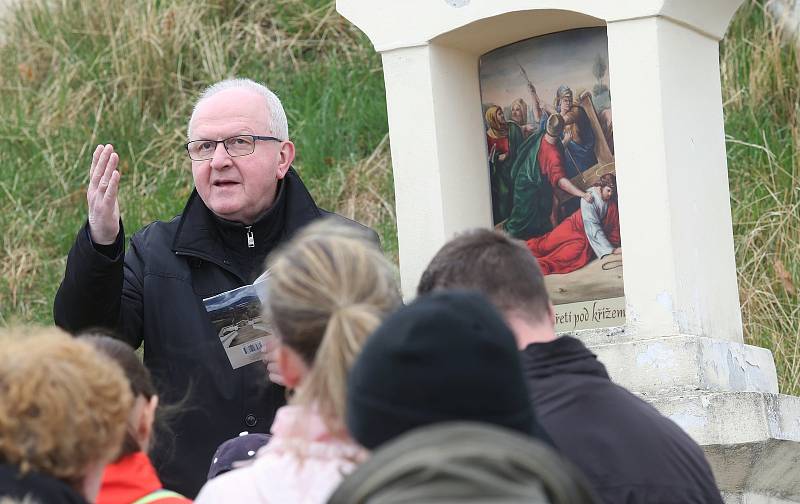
{"type": "Point", "coordinates": [235, 146]}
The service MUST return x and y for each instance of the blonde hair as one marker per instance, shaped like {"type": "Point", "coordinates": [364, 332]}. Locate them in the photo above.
{"type": "Point", "coordinates": [523, 107]}
{"type": "Point", "coordinates": [63, 406]}
{"type": "Point", "coordinates": [329, 289]}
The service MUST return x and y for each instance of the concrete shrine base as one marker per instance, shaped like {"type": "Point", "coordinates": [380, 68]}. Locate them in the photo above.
{"type": "Point", "coordinates": [751, 440]}
{"type": "Point", "coordinates": [675, 364]}
{"type": "Point", "coordinates": [725, 396]}
{"type": "Point", "coordinates": [750, 498]}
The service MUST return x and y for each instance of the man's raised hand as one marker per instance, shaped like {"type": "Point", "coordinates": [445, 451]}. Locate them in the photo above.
{"type": "Point", "coordinates": [102, 195]}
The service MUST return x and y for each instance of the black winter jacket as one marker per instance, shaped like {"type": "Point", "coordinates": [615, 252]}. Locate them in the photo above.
{"type": "Point", "coordinates": [37, 487]}
{"type": "Point", "coordinates": [155, 295]}
{"type": "Point", "coordinates": [629, 451]}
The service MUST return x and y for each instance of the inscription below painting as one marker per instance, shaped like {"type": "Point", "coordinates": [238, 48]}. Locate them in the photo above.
{"type": "Point", "coordinates": [550, 145]}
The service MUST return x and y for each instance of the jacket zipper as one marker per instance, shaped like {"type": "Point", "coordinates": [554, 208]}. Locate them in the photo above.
{"type": "Point", "coordinates": [251, 242]}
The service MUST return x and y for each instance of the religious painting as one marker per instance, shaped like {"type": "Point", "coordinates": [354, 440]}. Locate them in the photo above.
{"type": "Point", "coordinates": [550, 153]}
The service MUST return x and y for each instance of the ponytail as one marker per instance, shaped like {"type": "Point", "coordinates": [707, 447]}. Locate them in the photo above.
{"type": "Point", "coordinates": [329, 289]}
{"type": "Point", "coordinates": [326, 384]}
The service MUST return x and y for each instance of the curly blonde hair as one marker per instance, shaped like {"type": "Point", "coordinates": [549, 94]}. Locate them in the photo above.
{"type": "Point", "coordinates": [63, 406]}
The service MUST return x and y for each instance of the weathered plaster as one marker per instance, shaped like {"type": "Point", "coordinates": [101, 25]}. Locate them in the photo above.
{"type": "Point", "coordinates": [677, 364]}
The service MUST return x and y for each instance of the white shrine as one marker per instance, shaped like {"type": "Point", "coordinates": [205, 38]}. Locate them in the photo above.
{"type": "Point", "coordinates": [681, 346]}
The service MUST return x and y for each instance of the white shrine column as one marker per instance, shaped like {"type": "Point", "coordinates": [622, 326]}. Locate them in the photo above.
{"type": "Point", "coordinates": [439, 186]}
{"type": "Point", "coordinates": [675, 219]}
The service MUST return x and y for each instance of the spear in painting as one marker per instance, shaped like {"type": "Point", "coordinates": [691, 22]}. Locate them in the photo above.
{"type": "Point", "coordinates": [532, 89]}
{"type": "Point", "coordinates": [525, 76]}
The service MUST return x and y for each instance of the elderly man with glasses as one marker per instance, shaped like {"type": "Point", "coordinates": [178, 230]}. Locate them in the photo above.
{"type": "Point", "coordinates": [247, 200]}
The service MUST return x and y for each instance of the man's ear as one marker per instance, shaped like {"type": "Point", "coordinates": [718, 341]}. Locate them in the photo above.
{"type": "Point", "coordinates": [285, 158]}
{"type": "Point", "coordinates": [291, 367]}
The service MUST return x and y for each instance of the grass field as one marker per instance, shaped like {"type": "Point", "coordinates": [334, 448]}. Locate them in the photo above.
{"type": "Point", "coordinates": [81, 72]}
{"type": "Point", "coordinates": [762, 102]}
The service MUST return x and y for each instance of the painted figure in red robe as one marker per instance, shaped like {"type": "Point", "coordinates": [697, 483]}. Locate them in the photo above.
{"type": "Point", "coordinates": [592, 231]}
{"type": "Point", "coordinates": [538, 170]}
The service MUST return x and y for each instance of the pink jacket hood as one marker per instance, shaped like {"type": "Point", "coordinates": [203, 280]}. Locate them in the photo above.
{"type": "Point", "coordinates": [303, 463]}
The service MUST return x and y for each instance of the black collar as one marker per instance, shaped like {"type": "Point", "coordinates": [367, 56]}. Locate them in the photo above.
{"type": "Point", "coordinates": [40, 487]}
{"type": "Point", "coordinates": [203, 235]}
{"type": "Point", "coordinates": [564, 355]}
{"type": "Point", "coordinates": [267, 229]}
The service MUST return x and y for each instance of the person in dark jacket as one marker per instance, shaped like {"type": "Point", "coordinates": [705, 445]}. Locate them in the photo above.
{"type": "Point", "coordinates": [247, 199]}
{"type": "Point", "coordinates": [626, 448]}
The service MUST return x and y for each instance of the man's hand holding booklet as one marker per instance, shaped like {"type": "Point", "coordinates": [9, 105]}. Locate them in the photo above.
{"type": "Point", "coordinates": [237, 316]}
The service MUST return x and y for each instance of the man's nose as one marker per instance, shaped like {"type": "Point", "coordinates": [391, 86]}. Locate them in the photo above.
{"type": "Point", "coordinates": [221, 157]}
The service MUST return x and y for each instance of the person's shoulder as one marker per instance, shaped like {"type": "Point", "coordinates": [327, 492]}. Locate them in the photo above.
{"type": "Point", "coordinates": [164, 496]}
{"type": "Point", "coordinates": [549, 149]}
{"type": "Point", "coordinates": [341, 219]}
{"type": "Point", "coordinates": [238, 485]}
{"type": "Point", "coordinates": [551, 153]}
{"type": "Point", "coordinates": [162, 225]}
{"type": "Point", "coordinates": [158, 231]}
{"type": "Point", "coordinates": [659, 426]}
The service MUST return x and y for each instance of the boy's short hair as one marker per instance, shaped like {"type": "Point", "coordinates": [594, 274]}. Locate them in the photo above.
{"type": "Point", "coordinates": [491, 262]}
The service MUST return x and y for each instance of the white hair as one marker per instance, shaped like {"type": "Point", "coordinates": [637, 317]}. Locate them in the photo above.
{"type": "Point", "coordinates": [277, 116]}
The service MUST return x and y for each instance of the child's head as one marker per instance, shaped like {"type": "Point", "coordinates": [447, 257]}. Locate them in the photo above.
{"type": "Point", "coordinates": [145, 400]}
{"type": "Point", "coordinates": [63, 407]}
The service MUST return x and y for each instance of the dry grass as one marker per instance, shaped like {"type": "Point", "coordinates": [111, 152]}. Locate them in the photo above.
{"type": "Point", "coordinates": [77, 72]}
{"type": "Point", "coordinates": [762, 97]}
{"type": "Point", "coordinates": [364, 191]}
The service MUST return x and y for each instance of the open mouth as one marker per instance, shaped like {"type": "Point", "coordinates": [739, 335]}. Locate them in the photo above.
{"type": "Point", "coordinates": [224, 183]}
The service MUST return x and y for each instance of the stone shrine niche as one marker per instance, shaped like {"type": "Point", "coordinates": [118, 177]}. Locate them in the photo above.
{"type": "Point", "coordinates": [546, 108]}
{"type": "Point", "coordinates": [455, 71]}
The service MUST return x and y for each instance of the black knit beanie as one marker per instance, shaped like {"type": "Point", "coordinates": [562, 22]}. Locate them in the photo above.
{"type": "Point", "coordinates": [447, 356]}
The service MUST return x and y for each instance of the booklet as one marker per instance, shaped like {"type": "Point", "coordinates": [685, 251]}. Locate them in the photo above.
{"type": "Point", "coordinates": [238, 320]}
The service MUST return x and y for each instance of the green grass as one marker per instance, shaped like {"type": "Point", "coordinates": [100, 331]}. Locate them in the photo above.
{"type": "Point", "coordinates": [87, 71]}
{"type": "Point", "coordinates": [78, 72]}
{"type": "Point", "coordinates": [761, 92]}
